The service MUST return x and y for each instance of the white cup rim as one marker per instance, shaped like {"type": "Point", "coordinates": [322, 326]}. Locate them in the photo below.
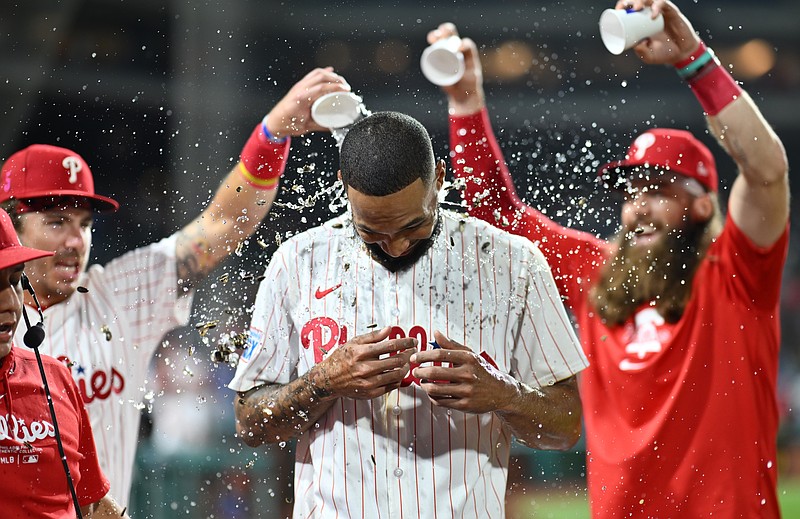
{"type": "Point", "coordinates": [622, 29]}
{"type": "Point", "coordinates": [337, 109]}
{"type": "Point", "coordinates": [450, 70]}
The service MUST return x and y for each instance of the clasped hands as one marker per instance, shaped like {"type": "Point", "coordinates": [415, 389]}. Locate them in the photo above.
{"type": "Point", "coordinates": [452, 375]}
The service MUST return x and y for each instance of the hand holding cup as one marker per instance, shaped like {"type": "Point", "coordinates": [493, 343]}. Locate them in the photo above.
{"type": "Point", "coordinates": [337, 111]}
{"type": "Point", "coordinates": [622, 29]}
{"type": "Point", "coordinates": [442, 62]}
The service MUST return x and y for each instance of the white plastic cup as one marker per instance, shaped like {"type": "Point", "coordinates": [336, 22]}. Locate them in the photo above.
{"type": "Point", "coordinates": [621, 29]}
{"type": "Point", "coordinates": [337, 110]}
{"type": "Point", "coordinates": [442, 63]}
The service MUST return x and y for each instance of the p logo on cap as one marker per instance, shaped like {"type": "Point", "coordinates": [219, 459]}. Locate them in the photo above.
{"type": "Point", "coordinates": [73, 164]}
{"type": "Point", "coordinates": [676, 151]}
{"type": "Point", "coordinates": [43, 171]}
{"type": "Point", "coordinates": [640, 145]}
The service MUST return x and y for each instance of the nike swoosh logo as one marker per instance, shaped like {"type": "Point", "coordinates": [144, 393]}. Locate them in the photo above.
{"type": "Point", "coordinates": [319, 294]}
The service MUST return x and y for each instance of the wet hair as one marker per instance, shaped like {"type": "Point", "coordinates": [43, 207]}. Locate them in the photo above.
{"type": "Point", "coordinates": [386, 152]}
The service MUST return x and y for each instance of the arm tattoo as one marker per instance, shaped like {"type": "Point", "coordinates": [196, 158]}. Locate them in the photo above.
{"type": "Point", "coordinates": [319, 392]}
{"type": "Point", "coordinates": [280, 412]}
{"type": "Point", "coordinates": [192, 257]}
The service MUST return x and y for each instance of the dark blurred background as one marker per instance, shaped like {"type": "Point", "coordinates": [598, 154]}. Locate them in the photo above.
{"type": "Point", "coordinates": [159, 97]}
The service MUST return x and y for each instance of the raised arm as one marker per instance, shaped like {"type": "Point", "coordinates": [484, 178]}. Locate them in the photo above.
{"type": "Point", "coordinates": [759, 198]}
{"type": "Point", "coordinates": [246, 194]}
{"type": "Point", "coordinates": [489, 190]}
{"type": "Point", "coordinates": [476, 157]}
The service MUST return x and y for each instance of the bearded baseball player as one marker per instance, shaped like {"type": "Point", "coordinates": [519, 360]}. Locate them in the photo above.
{"type": "Point", "coordinates": [405, 345]}
{"type": "Point", "coordinates": [679, 314]}
{"type": "Point", "coordinates": [108, 334]}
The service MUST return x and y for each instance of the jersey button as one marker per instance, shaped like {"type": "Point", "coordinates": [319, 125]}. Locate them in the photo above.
{"type": "Point", "coordinates": [398, 472]}
{"type": "Point", "coordinates": [396, 410]}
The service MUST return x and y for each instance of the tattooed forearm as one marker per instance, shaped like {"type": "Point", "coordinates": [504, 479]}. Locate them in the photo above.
{"type": "Point", "coordinates": [275, 413]}
{"type": "Point", "coordinates": [193, 258]}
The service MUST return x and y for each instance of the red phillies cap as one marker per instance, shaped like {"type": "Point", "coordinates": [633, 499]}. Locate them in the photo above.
{"type": "Point", "coordinates": [43, 171]}
{"type": "Point", "coordinates": [676, 151]}
{"type": "Point", "coordinates": [11, 252]}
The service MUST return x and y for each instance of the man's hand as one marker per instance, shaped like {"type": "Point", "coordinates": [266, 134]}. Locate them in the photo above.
{"type": "Point", "coordinates": [470, 383]}
{"type": "Point", "coordinates": [365, 367]}
{"type": "Point", "coordinates": [237, 207]}
{"type": "Point", "coordinates": [278, 412]}
{"type": "Point", "coordinates": [292, 114]}
{"type": "Point", "coordinates": [106, 508]}
{"type": "Point", "coordinates": [675, 43]}
{"type": "Point", "coordinates": [541, 418]}
{"type": "Point", "coordinates": [466, 96]}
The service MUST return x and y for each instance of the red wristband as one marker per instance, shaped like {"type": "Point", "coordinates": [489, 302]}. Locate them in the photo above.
{"type": "Point", "coordinates": [715, 88]}
{"type": "Point", "coordinates": [693, 56]}
{"type": "Point", "coordinates": [262, 160]}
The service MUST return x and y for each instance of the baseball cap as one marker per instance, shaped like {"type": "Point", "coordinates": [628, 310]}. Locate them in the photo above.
{"type": "Point", "coordinates": [676, 151]}
{"type": "Point", "coordinates": [44, 171]}
{"type": "Point", "coordinates": [11, 251]}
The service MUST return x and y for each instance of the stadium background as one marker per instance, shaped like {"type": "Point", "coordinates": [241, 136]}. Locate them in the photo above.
{"type": "Point", "coordinates": [160, 96]}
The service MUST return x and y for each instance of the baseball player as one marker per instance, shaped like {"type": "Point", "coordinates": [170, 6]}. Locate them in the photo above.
{"type": "Point", "coordinates": [404, 346]}
{"type": "Point", "coordinates": [34, 477]}
{"type": "Point", "coordinates": [106, 322]}
{"type": "Point", "coordinates": [679, 314]}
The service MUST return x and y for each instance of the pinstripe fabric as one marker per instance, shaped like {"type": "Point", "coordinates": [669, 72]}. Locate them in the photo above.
{"type": "Point", "coordinates": [397, 455]}
{"type": "Point", "coordinates": [135, 298]}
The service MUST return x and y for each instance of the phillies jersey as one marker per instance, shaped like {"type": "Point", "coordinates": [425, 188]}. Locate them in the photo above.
{"type": "Point", "coordinates": [31, 470]}
{"type": "Point", "coordinates": [107, 336]}
{"type": "Point", "coordinates": [681, 419]}
{"type": "Point", "coordinates": [398, 455]}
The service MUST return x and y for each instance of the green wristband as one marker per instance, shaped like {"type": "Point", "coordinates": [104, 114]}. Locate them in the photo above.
{"type": "Point", "coordinates": [692, 68]}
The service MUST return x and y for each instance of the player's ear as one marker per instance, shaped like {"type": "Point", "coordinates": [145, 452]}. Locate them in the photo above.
{"type": "Point", "coordinates": [702, 208]}
{"type": "Point", "coordinates": [441, 170]}
{"type": "Point", "coordinates": [339, 175]}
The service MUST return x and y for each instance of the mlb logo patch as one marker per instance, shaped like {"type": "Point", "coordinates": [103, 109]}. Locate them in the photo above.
{"type": "Point", "coordinates": [30, 458]}
{"type": "Point", "coordinates": [254, 339]}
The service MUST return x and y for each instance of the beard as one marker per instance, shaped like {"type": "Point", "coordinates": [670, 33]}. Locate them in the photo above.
{"type": "Point", "coordinates": [662, 274]}
{"type": "Point", "coordinates": [404, 262]}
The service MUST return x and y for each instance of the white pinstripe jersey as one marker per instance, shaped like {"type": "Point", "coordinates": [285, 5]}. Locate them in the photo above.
{"type": "Point", "coordinates": [397, 455]}
{"type": "Point", "coordinates": [110, 334]}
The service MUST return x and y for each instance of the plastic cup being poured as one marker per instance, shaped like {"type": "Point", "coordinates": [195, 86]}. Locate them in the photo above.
{"type": "Point", "coordinates": [442, 63]}
{"type": "Point", "coordinates": [621, 29]}
{"type": "Point", "coordinates": [338, 111]}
